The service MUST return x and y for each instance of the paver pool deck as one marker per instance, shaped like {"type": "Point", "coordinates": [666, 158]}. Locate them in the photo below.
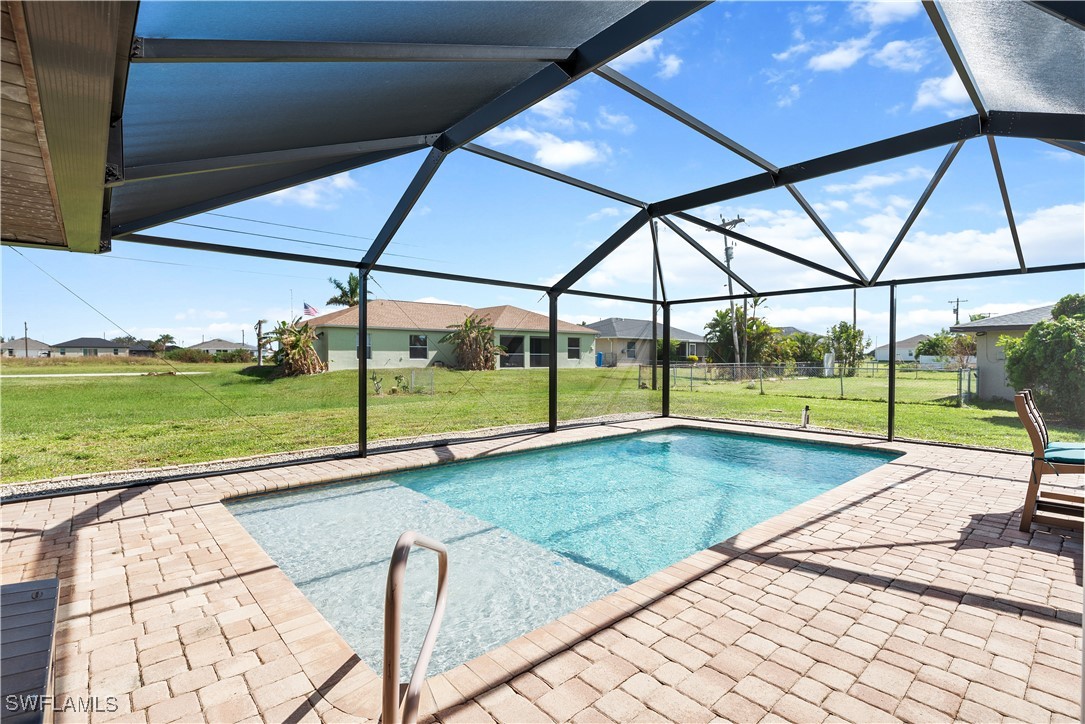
{"type": "Point", "coordinates": [905, 594]}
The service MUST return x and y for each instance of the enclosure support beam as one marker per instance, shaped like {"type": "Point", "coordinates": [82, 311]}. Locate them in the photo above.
{"type": "Point", "coordinates": [657, 279]}
{"type": "Point", "coordinates": [666, 359]}
{"type": "Point", "coordinates": [706, 253]}
{"type": "Point", "coordinates": [601, 252]}
{"type": "Point", "coordinates": [1006, 201]}
{"type": "Point", "coordinates": [956, 57]}
{"type": "Point", "coordinates": [890, 429]}
{"type": "Point", "coordinates": [826, 231]}
{"type": "Point", "coordinates": [399, 214]}
{"type": "Point", "coordinates": [938, 174]}
{"type": "Point", "coordinates": [553, 363]}
{"type": "Point", "coordinates": [363, 363]}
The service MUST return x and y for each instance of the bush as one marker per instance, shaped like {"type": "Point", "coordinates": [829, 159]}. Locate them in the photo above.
{"type": "Point", "coordinates": [693, 358]}
{"type": "Point", "coordinates": [234, 355]}
{"type": "Point", "coordinates": [1050, 360]}
{"type": "Point", "coordinates": [188, 355]}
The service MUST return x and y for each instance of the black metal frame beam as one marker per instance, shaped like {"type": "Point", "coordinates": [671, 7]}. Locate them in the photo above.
{"type": "Point", "coordinates": [878, 151]}
{"type": "Point", "coordinates": [657, 264]}
{"type": "Point", "coordinates": [290, 155]}
{"type": "Point", "coordinates": [706, 253]}
{"type": "Point", "coordinates": [151, 240]}
{"type": "Point", "coordinates": [643, 94]}
{"type": "Point", "coordinates": [766, 247]}
{"type": "Point", "coordinates": [198, 50]}
{"type": "Point", "coordinates": [1006, 201]}
{"type": "Point", "coordinates": [1028, 124]}
{"type": "Point", "coordinates": [1066, 11]}
{"type": "Point", "coordinates": [1071, 146]}
{"type": "Point", "coordinates": [410, 197]}
{"type": "Point", "coordinates": [931, 185]}
{"type": "Point", "coordinates": [1051, 268]}
{"type": "Point", "coordinates": [556, 176]}
{"type": "Point", "coordinates": [826, 231]}
{"type": "Point", "coordinates": [956, 56]}
{"type": "Point", "coordinates": [601, 252]}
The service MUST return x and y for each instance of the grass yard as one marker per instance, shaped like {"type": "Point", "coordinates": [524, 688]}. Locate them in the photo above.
{"type": "Point", "coordinates": [72, 425]}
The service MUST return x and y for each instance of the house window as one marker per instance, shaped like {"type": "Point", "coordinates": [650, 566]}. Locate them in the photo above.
{"type": "Point", "coordinates": [63, 352]}
{"type": "Point", "coordinates": [574, 347]}
{"type": "Point", "coordinates": [116, 351]}
{"type": "Point", "coordinates": [88, 352]}
{"type": "Point", "coordinates": [540, 351]}
{"type": "Point", "coordinates": [418, 346]}
{"type": "Point", "coordinates": [631, 349]}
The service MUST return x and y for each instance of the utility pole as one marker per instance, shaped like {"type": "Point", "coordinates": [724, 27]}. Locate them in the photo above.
{"type": "Point", "coordinates": [26, 343]}
{"type": "Point", "coordinates": [728, 254]}
{"type": "Point", "coordinates": [259, 342]}
{"type": "Point", "coordinates": [956, 309]}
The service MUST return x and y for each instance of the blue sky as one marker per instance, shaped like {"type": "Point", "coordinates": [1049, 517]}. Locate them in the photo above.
{"type": "Point", "coordinates": [790, 81]}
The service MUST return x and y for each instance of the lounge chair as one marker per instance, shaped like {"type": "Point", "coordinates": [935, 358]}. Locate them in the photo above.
{"type": "Point", "coordinates": [1049, 457]}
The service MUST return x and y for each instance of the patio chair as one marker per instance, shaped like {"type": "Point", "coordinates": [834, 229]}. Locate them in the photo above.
{"type": "Point", "coordinates": [1049, 457]}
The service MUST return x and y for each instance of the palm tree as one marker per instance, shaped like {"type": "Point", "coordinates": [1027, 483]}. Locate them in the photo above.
{"type": "Point", "coordinates": [296, 354]}
{"type": "Point", "coordinates": [163, 341]}
{"type": "Point", "coordinates": [718, 335]}
{"type": "Point", "coordinates": [475, 346]}
{"type": "Point", "coordinates": [348, 293]}
{"type": "Point", "coordinates": [809, 347]}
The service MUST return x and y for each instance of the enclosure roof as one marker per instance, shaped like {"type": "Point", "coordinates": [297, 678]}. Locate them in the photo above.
{"type": "Point", "coordinates": [619, 328]}
{"type": "Point", "coordinates": [1014, 321]}
{"type": "Point", "coordinates": [171, 109]}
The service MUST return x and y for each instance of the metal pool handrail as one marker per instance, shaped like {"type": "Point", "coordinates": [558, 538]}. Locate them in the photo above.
{"type": "Point", "coordinates": [397, 569]}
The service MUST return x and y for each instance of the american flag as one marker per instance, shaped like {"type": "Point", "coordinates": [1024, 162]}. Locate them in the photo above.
{"type": "Point", "coordinates": [310, 310]}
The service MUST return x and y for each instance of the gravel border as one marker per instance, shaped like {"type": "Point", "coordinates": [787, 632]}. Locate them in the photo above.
{"type": "Point", "coordinates": [73, 484]}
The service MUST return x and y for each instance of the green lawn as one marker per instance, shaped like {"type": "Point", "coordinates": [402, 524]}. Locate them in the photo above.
{"type": "Point", "coordinates": [69, 425]}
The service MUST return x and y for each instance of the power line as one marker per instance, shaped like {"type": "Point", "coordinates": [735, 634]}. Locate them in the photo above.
{"type": "Point", "coordinates": [203, 266]}
{"type": "Point", "coordinates": [289, 226]}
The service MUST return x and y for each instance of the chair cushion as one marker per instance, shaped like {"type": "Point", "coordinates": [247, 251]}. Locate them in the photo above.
{"type": "Point", "coordinates": [1068, 456]}
{"type": "Point", "coordinates": [1066, 446]}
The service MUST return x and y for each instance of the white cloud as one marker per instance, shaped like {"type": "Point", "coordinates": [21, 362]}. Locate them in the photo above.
{"type": "Point", "coordinates": [903, 55]}
{"type": "Point", "coordinates": [940, 93]}
{"type": "Point", "coordinates": [885, 12]}
{"type": "Point", "coordinates": [844, 55]}
{"type": "Point", "coordinates": [557, 109]}
{"type": "Point", "coordinates": [797, 49]}
{"type": "Point", "coordinates": [669, 65]}
{"type": "Point", "coordinates": [790, 96]}
{"type": "Point", "coordinates": [435, 300]}
{"type": "Point", "coordinates": [879, 180]}
{"type": "Point", "coordinates": [648, 52]}
{"type": "Point", "coordinates": [603, 213]}
{"type": "Point", "coordinates": [615, 121]}
{"type": "Point", "coordinates": [323, 193]}
{"type": "Point", "coordinates": [550, 150]}
{"type": "Point", "coordinates": [643, 53]}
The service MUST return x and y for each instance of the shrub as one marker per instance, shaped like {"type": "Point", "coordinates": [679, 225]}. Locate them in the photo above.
{"type": "Point", "coordinates": [234, 355]}
{"type": "Point", "coordinates": [188, 355]}
{"type": "Point", "coordinates": [1050, 360]}
{"type": "Point", "coordinates": [693, 358]}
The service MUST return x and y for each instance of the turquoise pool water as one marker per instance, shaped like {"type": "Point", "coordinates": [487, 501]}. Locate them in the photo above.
{"type": "Point", "coordinates": [535, 535]}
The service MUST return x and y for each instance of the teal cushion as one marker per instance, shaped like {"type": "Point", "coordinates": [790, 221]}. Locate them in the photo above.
{"type": "Point", "coordinates": [1066, 446]}
{"type": "Point", "coordinates": [1070, 457]}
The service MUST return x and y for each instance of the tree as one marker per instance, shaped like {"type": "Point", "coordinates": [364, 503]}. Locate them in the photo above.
{"type": "Point", "coordinates": [1050, 360]}
{"type": "Point", "coordinates": [718, 336]}
{"type": "Point", "coordinates": [127, 340]}
{"type": "Point", "coordinates": [674, 349]}
{"type": "Point", "coordinates": [296, 354]}
{"type": "Point", "coordinates": [935, 346]}
{"type": "Point", "coordinates": [755, 335]}
{"type": "Point", "coordinates": [347, 293]}
{"type": "Point", "coordinates": [163, 341]}
{"type": "Point", "coordinates": [809, 347]}
{"type": "Point", "coordinates": [475, 345]}
{"type": "Point", "coordinates": [847, 344]}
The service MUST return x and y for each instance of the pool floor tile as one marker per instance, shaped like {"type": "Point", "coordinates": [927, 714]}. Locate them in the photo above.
{"type": "Point", "coordinates": [907, 593]}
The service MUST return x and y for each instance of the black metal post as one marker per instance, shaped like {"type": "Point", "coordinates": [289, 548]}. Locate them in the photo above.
{"type": "Point", "coordinates": [363, 362]}
{"type": "Point", "coordinates": [553, 362]}
{"type": "Point", "coordinates": [655, 308]}
{"type": "Point", "coordinates": [666, 359]}
{"type": "Point", "coordinates": [892, 359]}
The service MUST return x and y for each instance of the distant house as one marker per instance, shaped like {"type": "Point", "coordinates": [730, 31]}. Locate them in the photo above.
{"type": "Point", "coordinates": [788, 331]}
{"type": "Point", "coordinates": [905, 349]}
{"type": "Point", "coordinates": [408, 334]}
{"type": "Point", "coordinates": [629, 341]}
{"type": "Point", "coordinates": [91, 347]}
{"type": "Point", "coordinates": [990, 358]}
{"type": "Point", "coordinates": [214, 346]}
{"type": "Point", "coordinates": [26, 347]}
{"type": "Point", "coordinates": [139, 349]}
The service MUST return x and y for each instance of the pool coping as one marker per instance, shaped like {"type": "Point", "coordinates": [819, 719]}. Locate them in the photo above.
{"type": "Point", "coordinates": [353, 689]}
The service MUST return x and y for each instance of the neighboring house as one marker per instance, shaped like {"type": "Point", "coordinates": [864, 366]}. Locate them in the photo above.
{"type": "Point", "coordinates": [905, 349]}
{"type": "Point", "coordinates": [788, 331]}
{"type": "Point", "coordinates": [26, 347]}
{"type": "Point", "coordinates": [140, 350]}
{"type": "Point", "coordinates": [91, 347]}
{"type": "Point", "coordinates": [990, 358]}
{"type": "Point", "coordinates": [629, 341]}
{"type": "Point", "coordinates": [408, 334]}
{"type": "Point", "coordinates": [214, 346]}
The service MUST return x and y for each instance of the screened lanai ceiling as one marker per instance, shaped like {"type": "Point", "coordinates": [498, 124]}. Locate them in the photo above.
{"type": "Point", "coordinates": [134, 115]}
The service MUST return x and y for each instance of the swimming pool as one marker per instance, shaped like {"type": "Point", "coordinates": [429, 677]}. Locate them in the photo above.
{"type": "Point", "coordinates": [532, 536]}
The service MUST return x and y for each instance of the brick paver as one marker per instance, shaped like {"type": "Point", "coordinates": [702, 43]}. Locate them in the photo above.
{"type": "Point", "coordinates": [906, 594]}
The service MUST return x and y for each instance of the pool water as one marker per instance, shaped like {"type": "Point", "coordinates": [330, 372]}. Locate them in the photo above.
{"type": "Point", "coordinates": [532, 536]}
